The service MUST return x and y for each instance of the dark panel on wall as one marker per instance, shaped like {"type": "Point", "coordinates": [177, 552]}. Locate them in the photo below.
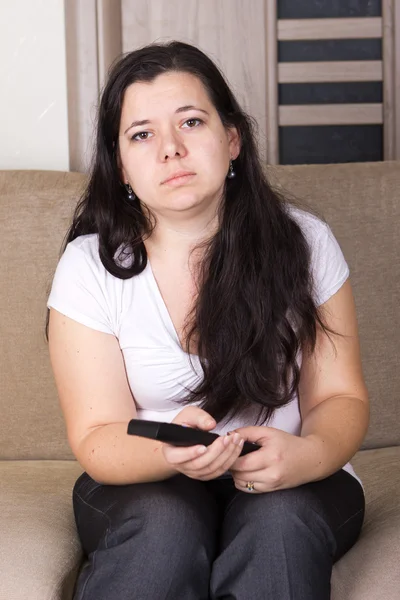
{"type": "Point", "coordinates": [326, 50]}
{"type": "Point", "coordinates": [330, 144]}
{"type": "Point", "coordinates": [318, 9]}
{"type": "Point", "coordinates": [347, 92]}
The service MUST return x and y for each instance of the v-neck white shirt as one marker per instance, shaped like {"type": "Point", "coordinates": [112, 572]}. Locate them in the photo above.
{"type": "Point", "coordinates": [133, 310]}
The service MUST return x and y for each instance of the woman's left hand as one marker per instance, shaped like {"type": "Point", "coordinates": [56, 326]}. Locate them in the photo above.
{"type": "Point", "coordinates": [283, 461]}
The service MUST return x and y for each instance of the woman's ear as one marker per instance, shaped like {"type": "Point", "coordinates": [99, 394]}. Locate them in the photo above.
{"type": "Point", "coordinates": [234, 142]}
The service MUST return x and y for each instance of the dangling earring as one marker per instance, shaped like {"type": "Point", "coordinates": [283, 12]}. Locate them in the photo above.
{"type": "Point", "coordinates": [131, 195]}
{"type": "Point", "coordinates": [231, 173]}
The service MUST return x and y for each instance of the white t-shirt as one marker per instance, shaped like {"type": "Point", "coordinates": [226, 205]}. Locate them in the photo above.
{"type": "Point", "coordinates": [133, 310]}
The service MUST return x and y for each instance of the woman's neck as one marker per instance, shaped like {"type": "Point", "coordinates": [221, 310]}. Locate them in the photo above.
{"type": "Point", "coordinates": [174, 243]}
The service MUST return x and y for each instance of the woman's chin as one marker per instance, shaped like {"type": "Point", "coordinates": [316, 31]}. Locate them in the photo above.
{"type": "Point", "coordinates": [184, 201]}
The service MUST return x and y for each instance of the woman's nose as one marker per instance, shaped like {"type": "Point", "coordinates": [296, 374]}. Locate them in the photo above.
{"type": "Point", "coordinates": [171, 145]}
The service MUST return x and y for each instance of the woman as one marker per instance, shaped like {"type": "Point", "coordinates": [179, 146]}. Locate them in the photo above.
{"type": "Point", "coordinates": [191, 292]}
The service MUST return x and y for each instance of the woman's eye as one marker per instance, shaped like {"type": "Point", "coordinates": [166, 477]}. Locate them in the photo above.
{"type": "Point", "coordinates": [144, 135]}
{"type": "Point", "coordinates": [193, 121]}
{"type": "Point", "coordinates": [138, 136]}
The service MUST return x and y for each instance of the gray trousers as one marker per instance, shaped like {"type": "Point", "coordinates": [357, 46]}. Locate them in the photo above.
{"type": "Point", "coordinates": [183, 539]}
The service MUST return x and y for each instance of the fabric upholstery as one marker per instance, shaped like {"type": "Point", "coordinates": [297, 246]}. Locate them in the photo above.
{"type": "Point", "coordinates": [361, 203]}
{"type": "Point", "coordinates": [371, 569]}
{"type": "Point", "coordinates": [35, 210]}
{"type": "Point", "coordinates": [40, 551]}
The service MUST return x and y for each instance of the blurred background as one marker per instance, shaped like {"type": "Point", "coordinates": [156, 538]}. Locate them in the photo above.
{"type": "Point", "coordinates": [321, 77]}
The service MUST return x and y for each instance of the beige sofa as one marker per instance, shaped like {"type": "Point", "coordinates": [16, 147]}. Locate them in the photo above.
{"type": "Point", "coordinates": [40, 553]}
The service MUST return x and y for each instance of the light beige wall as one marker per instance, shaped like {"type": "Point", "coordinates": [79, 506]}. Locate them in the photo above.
{"type": "Point", "coordinates": [33, 98]}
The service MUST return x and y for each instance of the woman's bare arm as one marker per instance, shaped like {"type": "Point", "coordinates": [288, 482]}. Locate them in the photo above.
{"type": "Point", "coordinates": [97, 405]}
{"type": "Point", "coordinates": [333, 396]}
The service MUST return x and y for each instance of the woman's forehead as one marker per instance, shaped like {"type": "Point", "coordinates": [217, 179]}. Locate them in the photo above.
{"type": "Point", "coordinates": [167, 91]}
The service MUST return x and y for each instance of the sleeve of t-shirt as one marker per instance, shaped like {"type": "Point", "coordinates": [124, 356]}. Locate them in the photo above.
{"type": "Point", "coordinates": [79, 290]}
{"type": "Point", "coordinates": [329, 267]}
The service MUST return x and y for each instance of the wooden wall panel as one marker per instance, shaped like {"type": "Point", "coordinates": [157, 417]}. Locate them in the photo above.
{"type": "Point", "coordinates": [109, 31]}
{"type": "Point", "coordinates": [93, 42]}
{"type": "Point", "coordinates": [316, 29]}
{"type": "Point", "coordinates": [82, 80]}
{"type": "Point", "coordinates": [231, 32]}
{"type": "Point", "coordinates": [396, 53]}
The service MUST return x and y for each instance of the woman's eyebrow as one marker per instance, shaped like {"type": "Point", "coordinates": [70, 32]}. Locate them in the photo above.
{"type": "Point", "coordinates": [190, 107]}
{"type": "Point", "coordinates": [178, 110]}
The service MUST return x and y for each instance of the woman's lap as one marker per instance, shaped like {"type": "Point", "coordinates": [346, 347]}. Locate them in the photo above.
{"type": "Point", "coordinates": [179, 515]}
{"type": "Point", "coordinates": [171, 500]}
{"type": "Point", "coordinates": [339, 499]}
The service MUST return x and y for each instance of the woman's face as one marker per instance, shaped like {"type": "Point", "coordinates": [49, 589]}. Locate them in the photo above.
{"type": "Point", "coordinates": [183, 133]}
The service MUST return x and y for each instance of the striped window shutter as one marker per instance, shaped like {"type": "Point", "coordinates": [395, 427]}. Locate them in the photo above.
{"type": "Point", "coordinates": [331, 81]}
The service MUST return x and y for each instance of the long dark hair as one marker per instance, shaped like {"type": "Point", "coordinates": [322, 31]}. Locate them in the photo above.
{"type": "Point", "coordinates": [255, 310]}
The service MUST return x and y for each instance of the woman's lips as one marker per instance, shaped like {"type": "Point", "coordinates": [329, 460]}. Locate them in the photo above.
{"type": "Point", "coordinates": [181, 179]}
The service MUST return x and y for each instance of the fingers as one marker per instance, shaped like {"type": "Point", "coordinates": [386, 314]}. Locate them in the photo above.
{"type": "Point", "coordinates": [219, 462]}
{"type": "Point", "coordinates": [255, 461]}
{"type": "Point", "coordinates": [202, 456]}
{"type": "Point", "coordinates": [195, 417]}
{"type": "Point", "coordinates": [180, 455]}
{"type": "Point", "coordinates": [208, 464]}
{"type": "Point", "coordinates": [249, 487]}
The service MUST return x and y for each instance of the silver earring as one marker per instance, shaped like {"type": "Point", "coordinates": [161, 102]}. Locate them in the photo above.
{"type": "Point", "coordinates": [131, 195]}
{"type": "Point", "coordinates": [231, 173]}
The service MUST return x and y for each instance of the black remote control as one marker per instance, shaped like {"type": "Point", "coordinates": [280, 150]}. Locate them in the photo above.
{"type": "Point", "coordinates": [178, 435]}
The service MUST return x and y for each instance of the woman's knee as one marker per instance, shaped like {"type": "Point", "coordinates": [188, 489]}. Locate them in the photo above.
{"type": "Point", "coordinates": [289, 513]}
{"type": "Point", "coordinates": [178, 511]}
{"type": "Point", "coordinates": [169, 509]}
{"type": "Point", "coordinates": [153, 536]}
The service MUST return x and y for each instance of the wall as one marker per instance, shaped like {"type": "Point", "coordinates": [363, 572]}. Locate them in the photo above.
{"type": "Point", "coordinates": [33, 99]}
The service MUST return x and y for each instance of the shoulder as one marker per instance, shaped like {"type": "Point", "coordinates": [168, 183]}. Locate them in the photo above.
{"type": "Point", "coordinates": [329, 269]}
{"type": "Point", "coordinates": [83, 289]}
{"type": "Point", "coordinates": [80, 265]}
{"type": "Point", "coordinates": [312, 226]}
{"type": "Point", "coordinates": [84, 247]}
{"type": "Point", "coordinates": [80, 262]}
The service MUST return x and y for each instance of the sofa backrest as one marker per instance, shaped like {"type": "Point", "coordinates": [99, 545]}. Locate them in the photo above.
{"type": "Point", "coordinates": [35, 212]}
{"type": "Point", "coordinates": [360, 203]}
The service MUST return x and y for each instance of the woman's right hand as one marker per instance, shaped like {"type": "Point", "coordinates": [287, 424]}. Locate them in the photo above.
{"type": "Point", "coordinates": [195, 461]}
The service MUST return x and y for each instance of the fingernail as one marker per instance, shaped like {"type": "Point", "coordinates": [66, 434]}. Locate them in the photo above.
{"type": "Point", "coordinates": [209, 422]}
{"type": "Point", "coordinates": [201, 450]}
{"type": "Point", "coordinates": [236, 439]}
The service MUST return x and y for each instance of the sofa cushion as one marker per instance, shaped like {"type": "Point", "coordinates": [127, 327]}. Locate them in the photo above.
{"type": "Point", "coordinates": [371, 569]}
{"type": "Point", "coordinates": [40, 550]}
{"type": "Point", "coordinates": [41, 553]}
